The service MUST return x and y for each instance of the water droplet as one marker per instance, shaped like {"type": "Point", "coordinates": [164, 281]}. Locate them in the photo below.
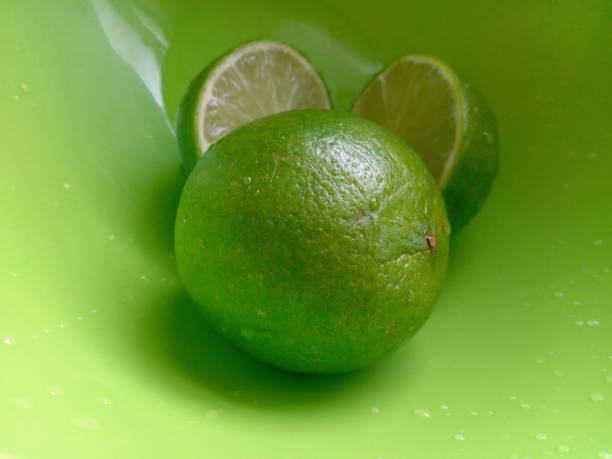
{"type": "Point", "coordinates": [94, 311]}
{"type": "Point", "coordinates": [143, 277]}
{"type": "Point", "coordinates": [86, 422]}
{"type": "Point", "coordinates": [25, 88]}
{"type": "Point", "coordinates": [24, 403]}
{"type": "Point", "coordinates": [598, 242]}
{"type": "Point", "coordinates": [422, 412]}
{"type": "Point", "coordinates": [474, 413]}
{"type": "Point", "coordinates": [563, 448]}
{"type": "Point", "coordinates": [579, 323]}
{"type": "Point", "coordinates": [375, 410]}
{"type": "Point", "coordinates": [609, 379]}
{"type": "Point", "coordinates": [525, 406]}
{"type": "Point", "coordinates": [56, 391]}
{"type": "Point", "coordinates": [247, 180]}
{"type": "Point", "coordinates": [105, 401]}
{"type": "Point", "coordinates": [490, 413]}
{"type": "Point", "coordinates": [444, 407]}
{"type": "Point", "coordinates": [512, 397]}
{"type": "Point", "coordinates": [605, 455]}
{"type": "Point", "coordinates": [597, 398]}
{"type": "Point", "coordinates": [67, 186]}
{"type": "Point", "coordinates": [212, 415]}
{"type": "Point", "coordinates": [592, 322]}
{"type": "Point", "coordinates": [593, 155]}
{"type": "Point", "coordinates": [559, 294]}
{"type": "Point", "coordinates": [459, 437]}
{"type": "Point", "coordinates": [9, 341]}
{"type": "Point", "coordinates": [80, 318]}
{"type": "Point", "coordinates": [62, 325]}
{"type": "Point", "coordinates": [577, 303]}
{"type": "Point", "coordinates": [541, 436]}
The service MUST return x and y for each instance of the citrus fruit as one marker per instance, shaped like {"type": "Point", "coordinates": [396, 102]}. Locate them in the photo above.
{"type": "Point", "coordinates": [315, 240]}
{"type": "Point", "coordinates": [445, 120]}
{"type": "Point", "coordinates": [254, 80]}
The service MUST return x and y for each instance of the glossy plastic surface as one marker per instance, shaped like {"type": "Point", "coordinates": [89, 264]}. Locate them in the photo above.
{"type": "Point", "coordinates": [101, 353]}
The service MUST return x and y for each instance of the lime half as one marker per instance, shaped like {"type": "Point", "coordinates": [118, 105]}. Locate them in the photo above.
{"type": "Point", "coordinates": [252, 81]}
{"type": "Point", "coordinates": [445, 120]}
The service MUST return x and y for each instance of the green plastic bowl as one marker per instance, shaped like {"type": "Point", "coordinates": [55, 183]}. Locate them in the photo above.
{"type": "Point", "coordinates": [102, 354]}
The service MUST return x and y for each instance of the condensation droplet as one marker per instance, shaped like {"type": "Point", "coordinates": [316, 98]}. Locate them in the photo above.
{"type": "Point", "coordinates": [444, 407]}
{"type": "Point", "coordinates": [67, 186]}
{"type": "Point", "coordinates": [86, 422]}
{"type": "Point", "coordinates": [592, 322]}
{"type": "Point", "coordinates": [25, 88]}
{"type": "Point", "coordinates": [597, 397]}
{"type": "Point", "coordinates": [525, 406]}
{"type": "Point", "coordinates": [105, 401]}
{"type": "Point", "coordinates": [541, 436]}
{"type": "Point", "coordinates": [605, 455]}
{"type": "Point", "coordinates": [563, 448]}
{"type": "Point", "coordinates": [609, 379]}
{"type": "Point", "coordinates": [375, 410]}
{"type": "Point", "coordinates": [8, 341]}
{"type": "Point", "coordinates": [56, 391]}
{"type": "Point", "coordinates": [422, 412]}
{"type": "Point", "coordinates": [579, 323]}
{"type": "Point", "coordinates": [459, 437]}
{"type": "Point", "coordinates": [22, 402]}
{"type": "Point", "coordinates": [598, 242]}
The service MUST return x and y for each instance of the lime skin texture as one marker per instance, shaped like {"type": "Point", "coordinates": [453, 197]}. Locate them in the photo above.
{"type": "Point", "coordinates": [314, 240]}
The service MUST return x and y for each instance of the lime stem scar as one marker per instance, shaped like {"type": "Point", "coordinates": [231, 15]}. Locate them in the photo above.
{"type": "Point", "coordinates": [431, 242]}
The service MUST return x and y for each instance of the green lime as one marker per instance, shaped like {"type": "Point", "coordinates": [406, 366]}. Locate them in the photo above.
{"type": "Point", "coordinates": [315, 240]}
{"type": "Point", "coordinates": [445, 120]}
{"type": "Point", "coordinates": [254, 80]}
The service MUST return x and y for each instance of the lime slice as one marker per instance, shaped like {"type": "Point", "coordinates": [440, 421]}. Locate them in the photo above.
{"type": "Point", "coordinates": [252, 81]}
{"type": "Point", "coordinates": [445, 120]}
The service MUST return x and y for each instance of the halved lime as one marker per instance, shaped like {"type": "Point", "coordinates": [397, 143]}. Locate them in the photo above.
{"type": "Point", "coordinates": [254, 80]}
{"type": "Point", "coordinates": [445, 120]}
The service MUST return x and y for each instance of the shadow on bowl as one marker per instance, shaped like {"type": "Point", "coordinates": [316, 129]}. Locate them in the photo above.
{"type": "Point", "coordinates": [180, 350]}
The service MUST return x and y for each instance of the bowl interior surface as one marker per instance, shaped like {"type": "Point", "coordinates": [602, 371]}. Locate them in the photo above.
{"type": "Point", "coordinates": [103, 355]}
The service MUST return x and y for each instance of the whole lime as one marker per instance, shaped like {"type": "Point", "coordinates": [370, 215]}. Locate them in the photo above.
{"type": "Point", "coordinates": [317, 241]}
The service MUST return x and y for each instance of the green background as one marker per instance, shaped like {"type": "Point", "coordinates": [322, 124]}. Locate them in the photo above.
{"type": "Point", "coordinates": [101, 353]}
